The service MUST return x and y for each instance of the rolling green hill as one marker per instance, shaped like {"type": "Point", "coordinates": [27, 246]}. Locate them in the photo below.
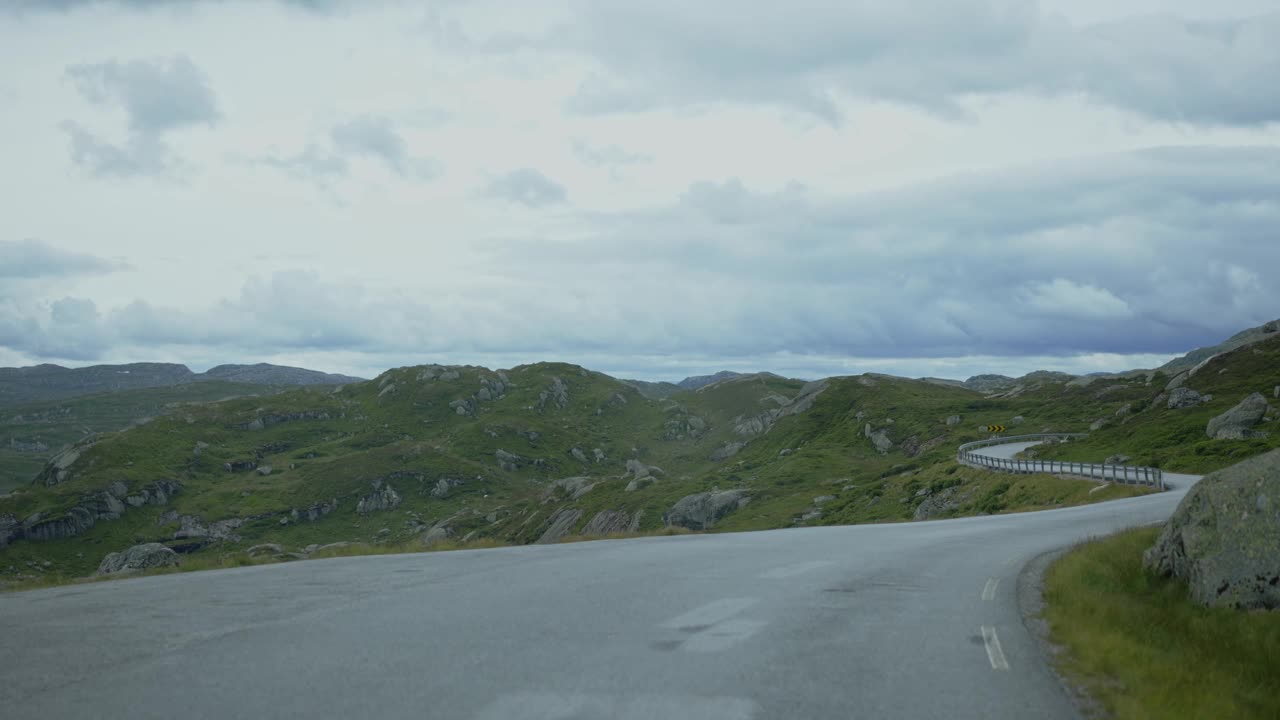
{"type": "Point", "coordinates": [434, 455]}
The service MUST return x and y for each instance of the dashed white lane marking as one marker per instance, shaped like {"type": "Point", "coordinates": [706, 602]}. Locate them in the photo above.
{"type": "Point", "coordinates": [711, 613]}
{"type": "Point", "coordinates": [787, 571]}
{"type": "Point", "coordinates": [994, 653]}
{"type": "Point", "coordinates": [722, 636]}
{"type": "Point", "coordinates": [989, 591]}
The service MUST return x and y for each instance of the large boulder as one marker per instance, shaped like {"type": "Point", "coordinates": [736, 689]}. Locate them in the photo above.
{"type": "Point", "coordinates": [701, 510]}
{"type": "Point", "coordinates": [559, 525]}
{"type": "Point", "coordinates": [1237, 423]}
{"type": "Point", "coordinates": [1224, 538]}
{"type": "Point", "coordinates": [136, 558]}
{"type": "Point", "coordinates": [1183, 397]}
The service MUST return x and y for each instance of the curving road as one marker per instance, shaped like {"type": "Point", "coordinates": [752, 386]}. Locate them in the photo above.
{"type": "Point", "coordinates": [912, 620]}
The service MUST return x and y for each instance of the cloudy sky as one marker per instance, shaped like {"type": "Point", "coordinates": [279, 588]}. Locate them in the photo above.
{"type": "Point", "coordinates": [652, 189]}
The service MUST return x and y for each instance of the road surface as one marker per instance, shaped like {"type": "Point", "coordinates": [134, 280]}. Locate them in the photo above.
{"type": "Point", "coordinates": [911, 620]}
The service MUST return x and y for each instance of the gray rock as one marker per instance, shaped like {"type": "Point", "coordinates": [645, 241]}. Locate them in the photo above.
{"type": "Point", "coordinates": [265, 549]}
{"type": "Point", "coordinates": [701, 511]}
{"type": "Point", "coordinates": [1124, 409]}
{"type": "Point", "coordinates": [1098, 424]}
{"type": "Point", "coordinates": [1018, 420]}
{"type": "Point", "coordinates": [509, 461]}
{"type": "Point", "coordinates": [822, 499]}
{"type": "Point", "coordinates": [955, 420]}
{"type": "Point", "coordinates": [639, 483]}
{"type": "Point", "coordinates": [726, 451]}
{"type": "Point", "coordinates": [449, 376]}
{"type": "Point", "coordinates": [444, 485]}
{"type": "Point", "coordinates": [574, 487]}
{"type": "Point", "coordinates": [264, 470]}
{"type": "Point", "coordinates": [880, 439]}
{"type": "Point", "coordinates": [137, 558]}
{"type": "Point", "coordinates": [784, 452]}
{"type": "Point", "coordinates": [598, 454]}
{"type": "Point", "coordinates": [1182, 398]}
{"type": "Point", "coordinates": [578, 455]}
{"type": "Point", "coordinates": [557, 392]}
{"type": "Point", "coordinates": [640, 471]}
{"type": "Point", "coordinates": [1117, 460]}
{"type": "Point", "coordinates": [559, 525]}
{"type": "Point", "coordinates": [609, 522]}
{"type": "Point", "coordinates": [191, 526]}
{"type": "Point", "coordinates": [315, 511]}
{"type": "Point", "coordinates": [941, 503]}
{"type": "Point", "coordinates": [384, 497]}
{"type": "Point", "coordinates": [1237, 423]}
{"type": "Point", "coordinates": [1224, 538]}
{"type": "Point", "coordinates": [1177, 381]}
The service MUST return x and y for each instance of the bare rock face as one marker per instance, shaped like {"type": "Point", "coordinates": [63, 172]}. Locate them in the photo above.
{"type": "Point", "coordinates": [574, 487]}
{"type": "Point", "coordinates": [726, 451]}
{"type": "Point", "coordinates": [1237, 423]}
{"type": "Point", "coordinates": [557, 392]}
{"type": "Point", "coordinates": [136, 558]}
{"type": "Point", "coordinates": [559, 525]}
{"type": "Point", "coordinates": [701, 511]}
{"type": "Point", "coordinates": [608, 522]}
{"type": "Point", "coordinates": [1182, 398]}
{"type": "Point", "coordinates": [639, 470]}
{"type": "Point", "coordinates": [383, 497]}
{"type": "Point", "coordinates": [1224, 538]}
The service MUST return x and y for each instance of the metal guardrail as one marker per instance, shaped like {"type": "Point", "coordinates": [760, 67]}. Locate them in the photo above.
{"type": "Point", "coordinates": [1126, 474]}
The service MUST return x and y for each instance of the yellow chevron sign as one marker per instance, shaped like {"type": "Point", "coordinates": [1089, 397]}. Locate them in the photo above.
{"type": "Point", "coordinates": [995, 428]}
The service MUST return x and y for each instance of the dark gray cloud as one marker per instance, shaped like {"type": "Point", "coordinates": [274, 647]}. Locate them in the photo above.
{"type": "Point", "coordinates": [32, 259]}
{"type": "Point", "coordinates": [1146, 252]}
{"type": "Point", "coordinates": [158, 96]}
{"type": "Point", "coordinates": [526, 186]}
{"type": "Point", "coordinates": [808, 54]}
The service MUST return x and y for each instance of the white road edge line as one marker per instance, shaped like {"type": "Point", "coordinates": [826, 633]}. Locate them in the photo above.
{"type": "Point", "coordinates": [989, 592]}
{"type": "Point", "coordinates": [994, 653]}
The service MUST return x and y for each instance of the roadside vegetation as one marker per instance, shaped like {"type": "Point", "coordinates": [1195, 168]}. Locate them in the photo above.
{"type": "Point", "coordinates": [1138, 645]}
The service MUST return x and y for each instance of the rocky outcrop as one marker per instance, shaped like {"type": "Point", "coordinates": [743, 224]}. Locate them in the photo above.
{"type": "Point", "coordinates": [1238, 422]}
{"type": "Point", "coordinates": [239, 466]}
{"type": "Point", "coordinates": [104, 505]}
{"type": "Point", "coordinates": [701, 511]}
{"type": "Point", "coordinates": [509, 461]}
{"type": "Point", "coordinates": [609, 522]}
{"type": "Point", "coordinates": [1224, 538]}
{"type": "Point", "coordinates": [384, 497]}
{"type": "Point", "coordinates": [1116, 460]}
{"type": "Point", "coordinates": [726, 451]}
{"type": "Point", "coordinates": [684, 427]}
{"type": "Point", "coordinates": [557, 393]}
{"type": "Point", "coordinates": [638, 470]}
{"type": "Point", "coordinates": [573, 487]}
{"type": "Point", "coordinates": [314, 512]}
{"type": "Point", "coordinates": [941, 503]}
{"type": "Point", "coordinates": [9, 528]}
{"type": "Point", "coordinates": [577, 454]}
{"type": "Point", "coordinates": [955, 420]}
{"type": "Point", "coordinates": [444, 486]}
{"type": "Point", "coordinates": [191, 526]}
{"type": "Point", "coordinates": [559, 525]}
{"type": "Point", "coordinates": [263, 422]}
{"type": "Point", "coordinates": [879, 438]}
{"type": "Point", "coordinates": [138, 558]}
{"type": "Point", "coordinates": [58, 469]}
{"type": "Point", "coordinates": [1181, 398]}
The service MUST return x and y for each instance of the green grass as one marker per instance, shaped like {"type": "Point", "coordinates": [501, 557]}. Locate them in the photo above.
{"type": "Point", "coordinates": [1138, 645]}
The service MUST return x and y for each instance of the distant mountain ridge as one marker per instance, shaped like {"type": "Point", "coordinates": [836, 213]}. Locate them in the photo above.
{"type": "Point", "coordinates": [1240, 339]}
{"type": "Point", "coordinates": [696, 381]}
{"type": "Point", "coordinates": [41, 383]}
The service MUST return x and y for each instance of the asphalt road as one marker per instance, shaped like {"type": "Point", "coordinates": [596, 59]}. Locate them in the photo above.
{"type": "Point", "coordinates": [911, 620]}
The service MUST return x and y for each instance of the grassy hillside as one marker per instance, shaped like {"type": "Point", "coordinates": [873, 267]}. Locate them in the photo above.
{"type": "Point", "coordinates": [30, 434]}
{"type": "Point", "coordinates": [430, 454]}
{"type": "Point", "coordinates": [1153, 434]}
